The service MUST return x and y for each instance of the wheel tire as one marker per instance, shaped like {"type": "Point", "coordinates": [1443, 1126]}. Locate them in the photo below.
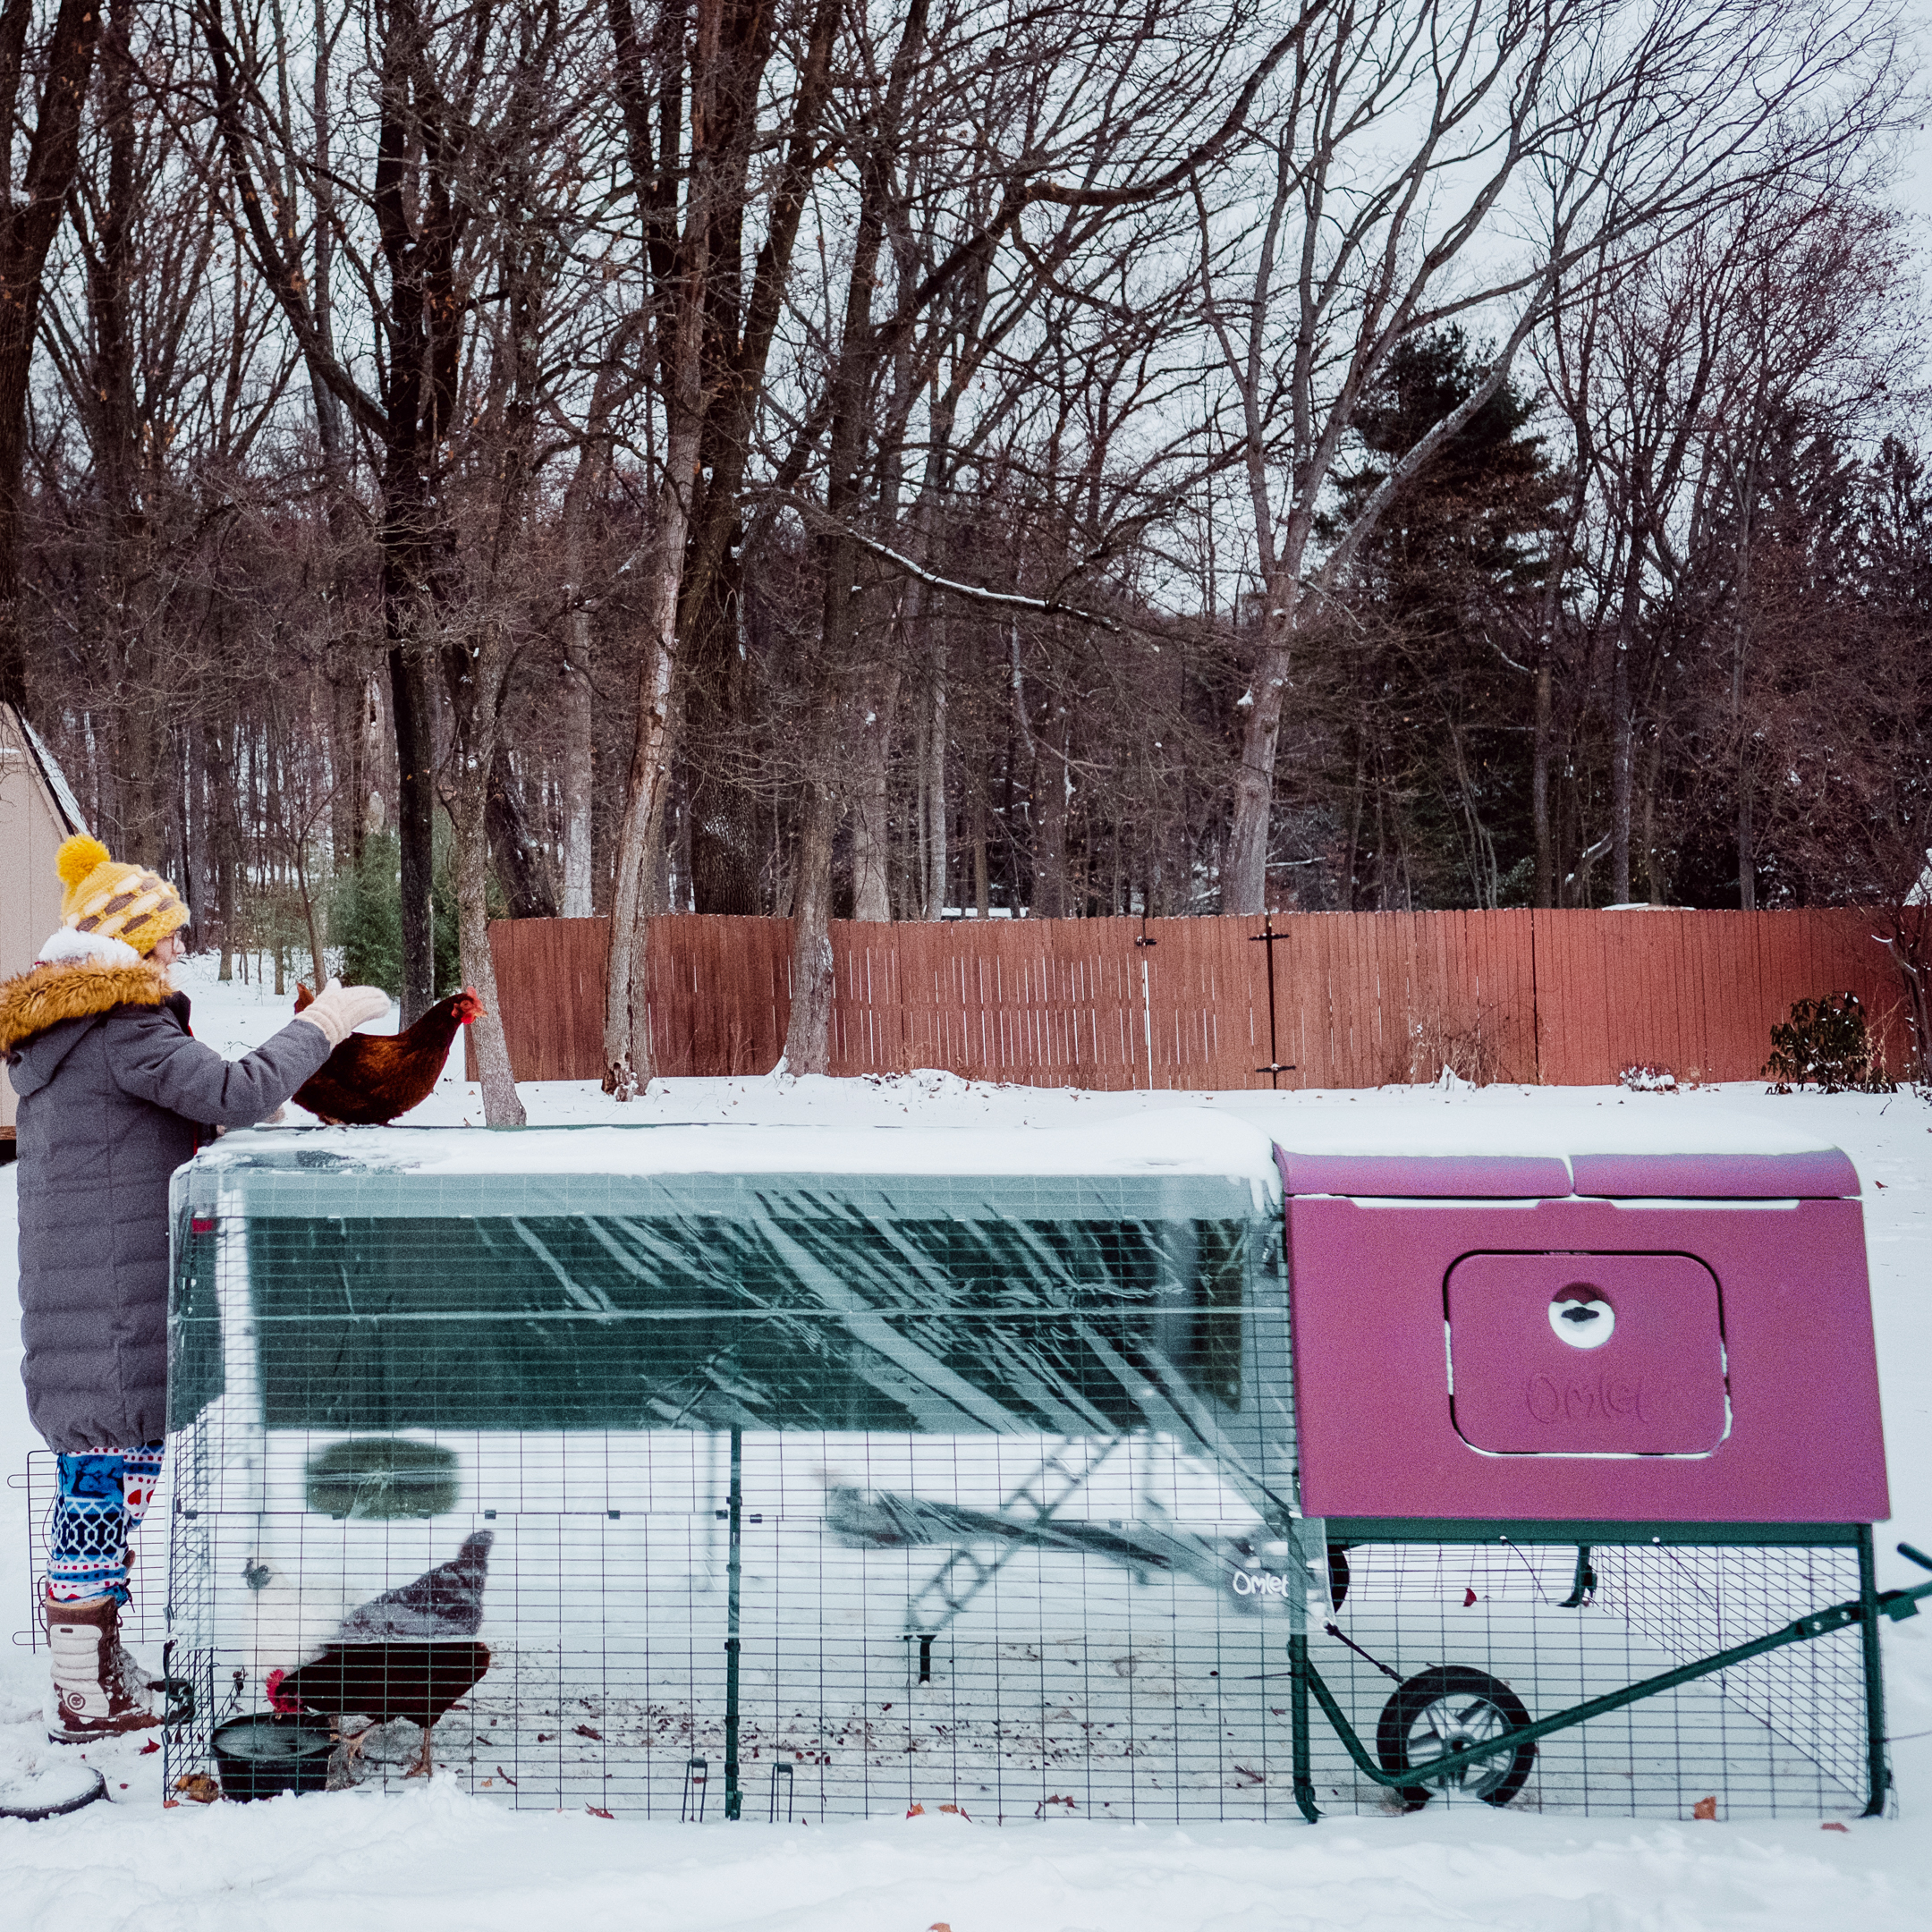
{"type": "Point", "coordinates": [1450, 1706]}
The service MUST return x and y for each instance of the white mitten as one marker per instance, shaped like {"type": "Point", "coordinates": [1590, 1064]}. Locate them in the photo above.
{"type": "Point", "coordinates": [337, 1010]}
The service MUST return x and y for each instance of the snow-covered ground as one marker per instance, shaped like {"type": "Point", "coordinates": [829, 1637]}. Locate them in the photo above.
{"type": "Point", "coordinates": [435, 1856]}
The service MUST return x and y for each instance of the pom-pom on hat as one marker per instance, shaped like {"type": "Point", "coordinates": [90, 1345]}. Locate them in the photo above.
{"type": "Point", "coordinates": [115, 899]}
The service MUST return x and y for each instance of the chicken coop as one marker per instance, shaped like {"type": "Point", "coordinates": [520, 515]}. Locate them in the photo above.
{"type": "Point", "coordinates": [731, 1472]}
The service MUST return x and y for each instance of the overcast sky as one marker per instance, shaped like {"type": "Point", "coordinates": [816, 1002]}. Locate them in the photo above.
{"type": "Point", "coordinates": [1914, 190]}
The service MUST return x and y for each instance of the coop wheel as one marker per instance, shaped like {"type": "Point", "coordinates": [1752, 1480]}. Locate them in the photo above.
{"type": "Point", "coordinates": [1447, 1710]}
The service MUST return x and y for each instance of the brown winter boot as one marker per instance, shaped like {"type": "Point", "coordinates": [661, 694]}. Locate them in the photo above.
{"type": "Point", "coordinates": [100, 1691]}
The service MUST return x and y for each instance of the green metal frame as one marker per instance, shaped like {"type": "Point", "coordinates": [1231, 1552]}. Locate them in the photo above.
{"type": "Point", "coordinates": [1347, 1529]}
{"type": "Point", "coordinates": [1865, 1610]}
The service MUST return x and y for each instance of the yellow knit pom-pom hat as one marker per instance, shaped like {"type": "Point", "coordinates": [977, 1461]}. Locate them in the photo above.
{"type": "Point", "coordinates": [117, 901]}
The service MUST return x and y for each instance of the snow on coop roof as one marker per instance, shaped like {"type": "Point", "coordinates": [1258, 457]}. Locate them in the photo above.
{"type": "Point", "coordinates": [1652, 1145]}
{"type": "Point", "coordinates": [1184, 1163]}
{"type": "Point", "coordinates": [1183, 1141]}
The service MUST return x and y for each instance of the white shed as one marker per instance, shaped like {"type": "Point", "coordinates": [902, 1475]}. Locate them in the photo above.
{"type": "Point", "coordinates": [37, 812]}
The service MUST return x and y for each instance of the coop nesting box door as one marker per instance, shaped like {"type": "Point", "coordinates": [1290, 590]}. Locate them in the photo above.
{"type": "Point", "coordinates": [1587, 1354]}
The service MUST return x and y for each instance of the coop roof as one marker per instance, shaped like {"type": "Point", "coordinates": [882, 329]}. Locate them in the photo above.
{"type": "Point", "coordinates": [1642, 1145]}
{"type": "Point", "coordinates": [1185, 1162]}
{"type": "Point", "coordinates": [1109, 1278]}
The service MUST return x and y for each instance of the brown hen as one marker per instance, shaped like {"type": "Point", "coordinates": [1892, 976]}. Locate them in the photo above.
{"type": "Point", "coordinates": [371, 1079]}
{"type": "Point", "coordinates": [384, 1681]}
{"type": "Point", "coordinates": [403, 1654]}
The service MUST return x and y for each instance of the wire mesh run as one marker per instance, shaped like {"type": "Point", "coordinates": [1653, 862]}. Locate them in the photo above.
{"type": "Point", "coordinates": [1054, 1680]}
{"type": "Point", "coordinates": [1095, 1663]}
{"type": "Point", "coordinates": [804, 1497]}
{"type": "Point", "coordinates": [1783, 1735]}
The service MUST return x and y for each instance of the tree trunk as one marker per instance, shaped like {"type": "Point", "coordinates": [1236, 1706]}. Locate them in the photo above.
{"type": "Point", "coordinates": [634, 894]}
{"type": "Point", "coordinates": [575, 699]}
{"type": "Point", "coordinates": [470, 816]}
{"type": "Point", "coordinates": [1051, 803]}
{"type": "Point", "coordinates": [108, 414]}
{"type": "Point", "coordinates": [226, 837]}
{"type": "Point", "coordinates": [938, 825]}
{"type": "Point", "coordinates": [982, 882]}
{"type": "Point", "coordinates": [579, 783]}
{"type": "Point", "coordinates": [522, 868]}
{"type": "Point", "coordinates": [1622, 749]}
{"type": "Point", "coordinates": [348, 704]}
{"type": "Point", "coordinates": [872, 808]}
{"type": "Point", "coordinates": [1746, 850]}
{"type": "Point", "coordinates": [30, 211]}
{"type": "Point", "coordinates": [198, 791]}
{"type": "Point", "coordinates": [1652, 776]}
{"type": "Point", "coordinates": [1544, 896]}
{"type": "Point", "coordinates": [808, 1036]}
{"type": "Point", "coordinates": [415, 813]}
{"type": "Point", "coordinates": [1245, 870]}
{"type": "Point", "coordinates": [849, 439]}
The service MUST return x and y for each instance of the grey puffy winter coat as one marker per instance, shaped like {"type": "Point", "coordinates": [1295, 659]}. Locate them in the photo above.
{"type": "Point", "coordinates": [114, 1096]}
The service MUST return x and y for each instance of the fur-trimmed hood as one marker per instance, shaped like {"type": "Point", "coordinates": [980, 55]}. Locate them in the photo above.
{"type": "Point", "coordinates": [52, 991]}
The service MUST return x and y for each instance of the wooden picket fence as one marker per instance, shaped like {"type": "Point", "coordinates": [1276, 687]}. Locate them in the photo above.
{"type": "Point", "coordinates": [1361, 999]}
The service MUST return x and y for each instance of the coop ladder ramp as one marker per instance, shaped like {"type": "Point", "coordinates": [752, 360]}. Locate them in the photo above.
{"type": "Point", "coordinates": [1051, 1484]}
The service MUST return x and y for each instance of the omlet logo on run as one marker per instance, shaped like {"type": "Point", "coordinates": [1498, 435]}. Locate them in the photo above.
{"type": "Point", "coordinates": [1260, 1583]}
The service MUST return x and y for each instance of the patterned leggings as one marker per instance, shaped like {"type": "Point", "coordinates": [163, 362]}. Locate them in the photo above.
{"type": "Point", "coordinates": [103, 1494]}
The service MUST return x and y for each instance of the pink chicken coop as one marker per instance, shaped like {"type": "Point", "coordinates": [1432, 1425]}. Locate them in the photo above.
{"type": "Point", "coordinates": [1577, 1360]}
{"type": "Point", "coordinates": [882, 1466]}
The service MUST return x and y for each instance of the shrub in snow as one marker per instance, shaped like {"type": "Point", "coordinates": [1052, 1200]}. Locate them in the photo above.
{"type": "Point", "coordinates": [1450, 1049]}
{"type": "Point", "coordinates": [1648, 1079]}
{"type": "Point", "coordinates": [1824, 1044]}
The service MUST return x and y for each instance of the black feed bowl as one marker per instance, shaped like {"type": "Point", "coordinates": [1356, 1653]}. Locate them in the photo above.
{"type": "Point", "coordinates": [272, 1752]}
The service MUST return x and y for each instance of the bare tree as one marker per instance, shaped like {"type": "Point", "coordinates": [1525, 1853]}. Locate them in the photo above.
{"type": "Point", "coordinates": [1038, 145]}
{"type": "Point", "coordinates": [689, 172]}
{"type": "Point", "coordinates": [1407, 143]}
{"type": "Point", "coordinates": [411, 185]}
{"type": "Point", "coordinates": [1678, 377]}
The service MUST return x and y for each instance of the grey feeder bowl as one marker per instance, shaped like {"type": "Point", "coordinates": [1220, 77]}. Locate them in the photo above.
{"type": "Point", "coordinates": [272, 1752]}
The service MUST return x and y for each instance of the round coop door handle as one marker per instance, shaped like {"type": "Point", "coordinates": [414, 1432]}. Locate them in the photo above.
{"type": "Point", "coordinates": [1581, 1316]}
